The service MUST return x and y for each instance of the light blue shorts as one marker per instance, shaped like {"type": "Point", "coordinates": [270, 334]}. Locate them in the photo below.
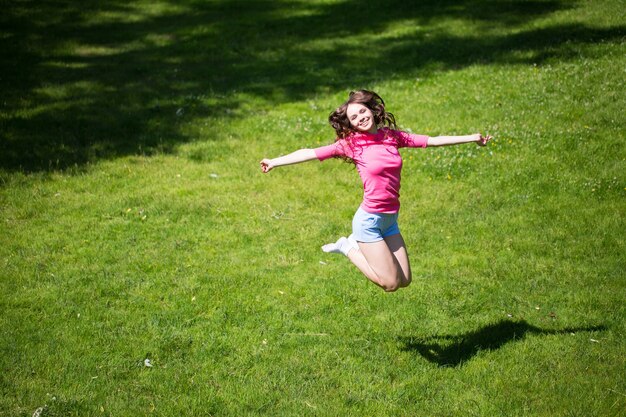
{"type": "Point", "coordinates": [374, 227]}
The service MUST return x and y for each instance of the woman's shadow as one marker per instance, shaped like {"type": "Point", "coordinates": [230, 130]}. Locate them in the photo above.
{"type": "Point", "coordinates": [454, 350]}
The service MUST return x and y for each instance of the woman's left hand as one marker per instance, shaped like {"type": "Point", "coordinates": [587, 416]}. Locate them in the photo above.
{"type": "Point", "coordinates": [482, 140]}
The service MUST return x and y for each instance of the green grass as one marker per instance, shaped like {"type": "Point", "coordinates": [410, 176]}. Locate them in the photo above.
{"type": "Point", "coordinates": [135, 222]}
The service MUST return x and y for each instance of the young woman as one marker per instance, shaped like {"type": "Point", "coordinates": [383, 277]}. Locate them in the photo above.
{"type": "Point", "coordinates": [368, 137]}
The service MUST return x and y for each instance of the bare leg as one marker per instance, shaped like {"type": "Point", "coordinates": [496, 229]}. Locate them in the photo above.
{"type": "Point", "coordinates": [357, 258]}
{"type": "Point", "coordinates": [385, 263]}
{"type": "Point", "coordinates": [398, 248]}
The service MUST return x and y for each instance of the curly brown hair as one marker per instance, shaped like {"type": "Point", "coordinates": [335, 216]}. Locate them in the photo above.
{"type": "Point", "coordinates": [338, 119]}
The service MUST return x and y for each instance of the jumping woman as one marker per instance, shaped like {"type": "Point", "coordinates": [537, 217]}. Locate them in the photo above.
{"type": "Point", "coordinates": [367, 136]}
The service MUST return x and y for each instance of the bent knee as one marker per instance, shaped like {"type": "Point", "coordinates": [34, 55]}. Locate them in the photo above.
{"type": "Point", "coordinates": [391, 288]}
{"type": "Point", "coordinates": [396, 283]}
{"type": "Point", "coordinates": [392, 285]}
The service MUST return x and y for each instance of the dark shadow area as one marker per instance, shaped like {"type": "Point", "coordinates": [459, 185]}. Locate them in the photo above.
{"type": "Point", "coordinates": [454, 350]}
{"type": "Point", "coordinates": [83, 81]}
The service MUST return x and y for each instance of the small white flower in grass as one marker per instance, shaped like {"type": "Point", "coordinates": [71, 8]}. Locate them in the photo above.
{"type": "Point", "coordinates": [264, 342]}
{"type": "Point", "coordinates": [38, 411]}
{"type": "Point", "coordinates": [323, 263]}
{"type": "Point", "coordinates": [594, 340]}
{"type": "Point", "coordinates": [214, 175]}
{"type": "Point", "coordinates": [147, 363]}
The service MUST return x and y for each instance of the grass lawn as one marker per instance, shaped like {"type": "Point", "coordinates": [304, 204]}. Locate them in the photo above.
{"type": "Point", "coordinates": [147, 267]}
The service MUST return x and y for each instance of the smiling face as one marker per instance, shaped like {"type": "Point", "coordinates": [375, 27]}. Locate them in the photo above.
{"type": "Point", "coordinates": [361, 118]}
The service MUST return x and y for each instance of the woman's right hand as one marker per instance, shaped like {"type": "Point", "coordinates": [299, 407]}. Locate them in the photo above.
{"type": "Point", "coordinates": [266, 165]}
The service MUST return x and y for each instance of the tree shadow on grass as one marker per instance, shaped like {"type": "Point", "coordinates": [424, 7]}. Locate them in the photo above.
{"type": "Point", "coordinates": [455, 350]}
{"type": "Point", "coordinates": [87, 81]}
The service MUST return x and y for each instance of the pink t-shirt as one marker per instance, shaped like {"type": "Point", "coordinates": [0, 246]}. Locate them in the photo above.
{"type": "Point", "coordinates": [379, 164]}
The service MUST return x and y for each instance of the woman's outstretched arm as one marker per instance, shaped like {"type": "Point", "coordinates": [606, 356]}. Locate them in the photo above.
{"type": "Point", "coordinates": [456, 140]}
{"type": "Point", "coordinates": [301, 155]}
